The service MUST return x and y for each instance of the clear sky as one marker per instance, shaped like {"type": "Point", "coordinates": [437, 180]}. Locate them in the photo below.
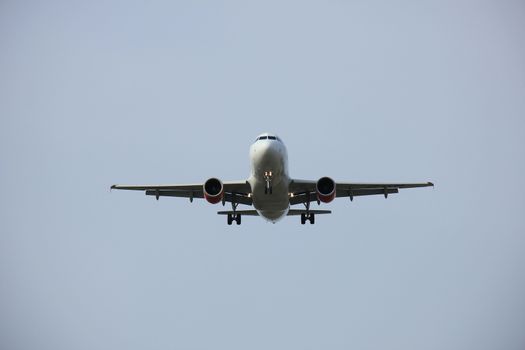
{"type": "Point", "coordinates": [95, 93]}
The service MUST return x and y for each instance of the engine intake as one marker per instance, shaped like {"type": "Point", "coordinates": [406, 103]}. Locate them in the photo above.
{"type": "Point", "coordinates": [213, 190]}
{"type": "Point", "coordinates": [325, 188]}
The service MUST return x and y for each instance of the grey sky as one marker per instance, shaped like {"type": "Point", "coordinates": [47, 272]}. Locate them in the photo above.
{"type": "Point", "coordinates": [95, 93]}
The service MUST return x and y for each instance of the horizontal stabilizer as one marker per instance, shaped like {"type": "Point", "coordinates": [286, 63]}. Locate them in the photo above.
{"type": "Point", "coordinates": [293, 212]}
{"type": "Point", "coordinates": [239, 212]}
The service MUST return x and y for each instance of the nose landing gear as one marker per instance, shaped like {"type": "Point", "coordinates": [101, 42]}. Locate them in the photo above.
{"type": "Point", "coordinates": [268, 180]}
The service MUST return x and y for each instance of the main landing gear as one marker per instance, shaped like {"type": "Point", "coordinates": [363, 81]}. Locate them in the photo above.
{"type": "Point", "coordinates": [307, 216]}
{"type": "Point", "coordinates": [234, 217]}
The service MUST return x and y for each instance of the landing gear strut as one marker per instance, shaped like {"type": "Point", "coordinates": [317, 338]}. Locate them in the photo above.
{"type": "Point", "coordinates": [268, 179]}
{"type": "Point", "coordinates": [307, 216]}
{"type": "Point", "coordinates": [234, 217]}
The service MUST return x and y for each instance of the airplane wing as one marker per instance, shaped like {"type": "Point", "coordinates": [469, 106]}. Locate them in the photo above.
{"type": "Point", "coordinates": [305, 190]}
{"type": "Point", "coordinates": [238, 189]}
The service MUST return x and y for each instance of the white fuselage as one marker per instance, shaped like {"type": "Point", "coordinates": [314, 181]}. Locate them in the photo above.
{"type": "Point", "coordinates": [269, 158]}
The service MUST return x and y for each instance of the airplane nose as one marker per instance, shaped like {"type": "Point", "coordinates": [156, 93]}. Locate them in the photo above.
{"type": "Point", "coordinates": [268, 151]}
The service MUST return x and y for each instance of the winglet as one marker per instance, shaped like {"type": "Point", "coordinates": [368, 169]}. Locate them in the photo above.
{"type": "Point", "coordinates": [430, 184]}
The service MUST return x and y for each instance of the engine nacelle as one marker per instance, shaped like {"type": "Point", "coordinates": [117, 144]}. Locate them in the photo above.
{"type": "Point", "coordinates": [213, 190]}
{"type": "Point", "coordinates": [325, 188]}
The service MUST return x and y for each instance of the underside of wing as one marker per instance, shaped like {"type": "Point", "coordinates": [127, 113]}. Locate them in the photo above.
{"type": "Point", "coordinates": [349, 189]}
{"type": "Point", "coordinates": [234, 191]}
{"type": "Point", "coordinates": [305, 191]}
{"type": "Point", "coordinates": [361, 185]}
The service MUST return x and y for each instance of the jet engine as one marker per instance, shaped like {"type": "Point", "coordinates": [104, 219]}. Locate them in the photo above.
{"type": "Point", "coordinates": [325, 189]}
{"type": "Point", "coordinates": [213, 190]}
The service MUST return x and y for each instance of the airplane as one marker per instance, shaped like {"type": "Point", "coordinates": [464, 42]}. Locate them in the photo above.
{"type": "Point", "coordinates": [270, 189]}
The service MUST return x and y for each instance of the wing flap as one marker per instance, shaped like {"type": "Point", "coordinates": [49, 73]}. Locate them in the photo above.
{"type": "Point", "coordinates": [357, 185]}
{"type": "Point", "coordinates": [228, 197]}
{"type": "Point", "coordinates": [184, 187]}
{"type": "Point", "coordinates": [312, 196]}
{"type": "Point", "coordinates": [175, 193]}
{"type": "Point", "coordinates": [365, 192]}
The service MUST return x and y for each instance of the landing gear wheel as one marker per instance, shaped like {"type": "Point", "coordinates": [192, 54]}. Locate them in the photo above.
{"type": "Point", "coordinates": [230, 219]}
{"type": "Point", "coordinates": [307, 217]}
{"type": "Point", "coordinates": [238, 219]}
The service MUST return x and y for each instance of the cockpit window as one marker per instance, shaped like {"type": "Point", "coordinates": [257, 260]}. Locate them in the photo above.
{"type": "Point", "coordinates": [268, 138]}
